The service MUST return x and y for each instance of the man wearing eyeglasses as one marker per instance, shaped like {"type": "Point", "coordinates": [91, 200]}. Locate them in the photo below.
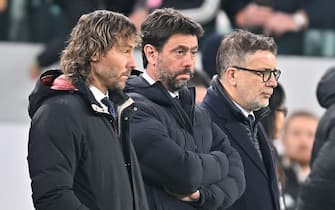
{"type": "Point", "coordinates": [236, 101]}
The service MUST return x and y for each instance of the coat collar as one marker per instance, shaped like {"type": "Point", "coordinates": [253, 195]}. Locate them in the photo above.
{"type": "Point", "coordinates": [231, 118]}
{"type": "Point", "coordinates": [220, 98]}
{"type": "Point", "coordinates": [157, 93]}
{"type": "Point", "coordinates": [53, 82]}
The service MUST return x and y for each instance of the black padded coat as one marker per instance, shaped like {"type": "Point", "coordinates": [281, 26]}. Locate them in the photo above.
{"type": "Point", "coordinates": [180, 150]}
{"type": "Point", "coordinates": [76, 159]}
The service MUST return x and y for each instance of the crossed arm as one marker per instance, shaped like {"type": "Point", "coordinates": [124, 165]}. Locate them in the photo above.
{"type": "Point", "coordinates": [212, 179]}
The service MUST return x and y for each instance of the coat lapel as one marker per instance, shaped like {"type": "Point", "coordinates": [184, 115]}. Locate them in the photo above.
{"type": "Point", "coordinates": [228, 118]}
{"type": "Point", "coordinates": [267, 154]}
{"type": "Point", "coordinates": [242, 140]}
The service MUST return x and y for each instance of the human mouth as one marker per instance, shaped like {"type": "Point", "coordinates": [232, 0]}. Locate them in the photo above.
{"type": "Point", "coordinates": [184, 76]}
{"type": "Point", "coordinates": [126, 73]}
{"type": "Point", "coordinates": [266, 95]}
{"type": "Point", "coordinates": [124, 77]}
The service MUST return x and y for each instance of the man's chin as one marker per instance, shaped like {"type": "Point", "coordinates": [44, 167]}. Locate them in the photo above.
{"type": "Point", "coordinates": [118, 87]}
{"type": "Point", "coordinates": [178, 86]}
{"type": "Point", "coordinates": [302, 162]}
{"type": "Point", "coordinates": [263, 104]}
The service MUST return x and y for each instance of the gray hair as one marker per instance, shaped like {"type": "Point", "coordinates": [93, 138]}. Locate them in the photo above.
{"type": "Point", "coordinates": [238, 45]}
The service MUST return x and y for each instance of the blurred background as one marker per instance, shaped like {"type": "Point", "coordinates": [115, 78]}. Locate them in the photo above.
{"type": "Point", "coordinates": [33, 32]}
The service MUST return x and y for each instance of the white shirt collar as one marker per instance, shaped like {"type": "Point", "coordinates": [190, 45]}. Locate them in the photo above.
{"type": "Point", "coordinates": [244, 112]}
{"type": "Point", "coordinates": [98, 95]}
{"type": "Point", "coordinates": [146, 76]}
{"type": "Point", "coordinates": [151, 81]}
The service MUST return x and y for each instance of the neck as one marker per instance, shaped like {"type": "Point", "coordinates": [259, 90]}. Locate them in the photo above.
{"type": "Point", "coordinates": [94, 82]}
{"type": "Point", "coordinates": [153, 75]}
{"type": "Point", "coordinates": [229, 90]}
{"type": "Point", "coordinates": [303, 171]}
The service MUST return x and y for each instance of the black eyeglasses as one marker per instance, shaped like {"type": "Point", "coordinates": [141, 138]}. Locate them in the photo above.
{"type": "Point", "coordinates": [266, 74]}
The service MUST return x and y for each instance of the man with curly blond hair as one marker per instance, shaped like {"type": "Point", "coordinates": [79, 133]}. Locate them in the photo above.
{"type": "Point", "coordinates": [80, 155]}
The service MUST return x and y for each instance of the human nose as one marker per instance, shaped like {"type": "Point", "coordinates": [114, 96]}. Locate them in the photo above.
{"type": "Point", "coordinates": [272, 82]}
{"type": "Point", "coordinates": [131, 61]}
{"type": "Point", "coordinates": [189, 60]}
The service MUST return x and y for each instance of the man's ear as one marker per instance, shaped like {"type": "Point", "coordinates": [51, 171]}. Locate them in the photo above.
{"type": "Point", "coordinates": [150, 53]}
{"type": "Point", "coordinates": [94, 58]}
{"type": "Point", "coordinates": [230, 75]}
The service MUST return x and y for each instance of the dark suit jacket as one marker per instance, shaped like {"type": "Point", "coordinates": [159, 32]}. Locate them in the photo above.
{"type": "Point", "coordinates": [261, 183]}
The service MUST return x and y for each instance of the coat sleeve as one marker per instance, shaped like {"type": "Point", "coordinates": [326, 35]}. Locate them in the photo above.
{"type": "Point", "coordinates": [53, 153]}
{"type": "Point", "coordinates": [165, 163]}
{"type": "Point", "coordinates": [225, 192]}
{"type": "Point", "coordinates": [203, 14]}
{"type": "Point", "coordinates": [317, 192]}
{"type": "Point", "coordinates": [232, 8]}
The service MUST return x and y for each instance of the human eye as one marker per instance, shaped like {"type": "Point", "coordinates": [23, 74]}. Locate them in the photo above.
{"type": "Point", "coordinates": [194, 52]}
{"type": "Point", "coordinates": [180, 51]}
{"type": "Point", "coordinates": [127, 50]}
{"type": "Point", "coordinates": [267, 73]}
{"type": "Point", "coordinates": [260, 73]}
{"type": "Point", "coordinates": [296, 133]}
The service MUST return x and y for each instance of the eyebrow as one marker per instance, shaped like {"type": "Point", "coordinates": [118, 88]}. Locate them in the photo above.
{"type": "Point", "coordinates": [125, 45]}
{"type": "Point", "coordinates": [185, 47]}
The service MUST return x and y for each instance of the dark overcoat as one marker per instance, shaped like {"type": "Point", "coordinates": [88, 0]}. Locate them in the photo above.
{"type": "Point", "coordinates": [261, 183]}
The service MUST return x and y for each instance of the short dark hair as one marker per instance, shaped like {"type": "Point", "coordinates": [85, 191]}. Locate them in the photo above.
{"type": "Point", "coordinates": [276, 101]}
{"type": "Point", "coordinates": [236, 46]}
{"type": "Point", "coordinates": [161, 24]}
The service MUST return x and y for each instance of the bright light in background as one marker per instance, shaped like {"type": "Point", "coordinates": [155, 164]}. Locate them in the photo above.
{"type": "Point", "coordinates": [15, 191]}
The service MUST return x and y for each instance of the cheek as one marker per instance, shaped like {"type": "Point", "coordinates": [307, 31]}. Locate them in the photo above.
{"type": "Point", "coordinates": [171, 63]}
{"type": "Point", "coordinates": [280, 120]}
{"type": "Point", "coordinates": [245, 89]}
{"type": "Point", "coordinates": [289, 146]}
{"type": "Point", "coordinates": [310, 142]}
{"type": "Point", "coordinates": [252, 89]}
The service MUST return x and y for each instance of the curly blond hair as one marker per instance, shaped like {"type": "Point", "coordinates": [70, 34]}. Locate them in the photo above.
{"type": "Point", "coordinates": [94, 34]}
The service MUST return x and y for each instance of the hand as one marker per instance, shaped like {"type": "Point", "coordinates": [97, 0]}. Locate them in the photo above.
{"type": "Point", "coordinates": [280, 23]}
{"type": "Point", "coordinates": [191, 198]}
{"type": "Point", "coordinates": [3, 5]}
{"type": "Point", "coordinates": [253, 15]}
{"type": "Point", "coordinates": [188, 198]}
{"type": "Point", "coordinates": [34, 71]}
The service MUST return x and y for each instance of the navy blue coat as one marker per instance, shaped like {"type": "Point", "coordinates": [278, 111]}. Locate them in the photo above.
{"type": "Point", "coordinates": [261, 183]}
{"type": "Point", "coordinates": [180, 150]}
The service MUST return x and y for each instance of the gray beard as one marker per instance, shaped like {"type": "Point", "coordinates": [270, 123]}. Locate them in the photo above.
{"type": "Point", "coordinates": [172, 83]}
